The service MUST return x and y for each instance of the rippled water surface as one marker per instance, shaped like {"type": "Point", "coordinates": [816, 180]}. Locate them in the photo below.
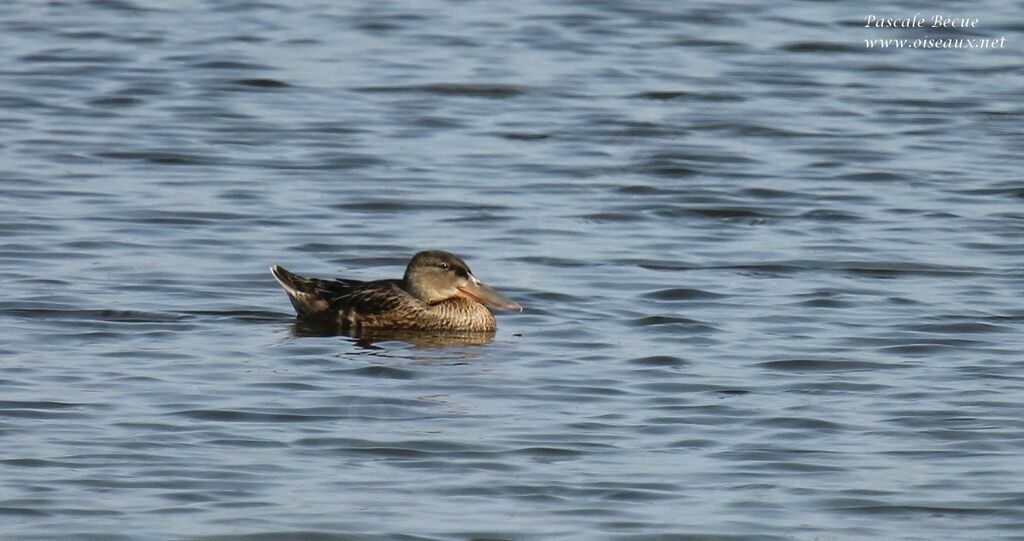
{"type": "Point", "coordinates": [773, 279]}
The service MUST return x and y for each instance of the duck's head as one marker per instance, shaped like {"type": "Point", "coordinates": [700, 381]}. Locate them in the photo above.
{"type": "Point", "coordinates": [434, 276]}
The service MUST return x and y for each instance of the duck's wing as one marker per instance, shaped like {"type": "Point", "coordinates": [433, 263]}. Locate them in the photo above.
{"type": "Point", "coordinates": [378, 303]}
{"type": "Point", "coordinates": [382, 303]}
{"type": "Point", "coordinates": [312, 297]}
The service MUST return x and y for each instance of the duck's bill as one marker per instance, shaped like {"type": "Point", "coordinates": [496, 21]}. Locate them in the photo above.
{"type": "Point", "coordinates": [480, 292]}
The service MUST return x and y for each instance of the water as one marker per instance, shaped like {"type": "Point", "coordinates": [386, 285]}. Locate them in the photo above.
{"type": "Point", "coordinates": [772, 278]}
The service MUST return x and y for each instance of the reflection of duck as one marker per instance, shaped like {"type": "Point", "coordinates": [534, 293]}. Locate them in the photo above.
{"type": "Point", "coordinates": [438, 292]}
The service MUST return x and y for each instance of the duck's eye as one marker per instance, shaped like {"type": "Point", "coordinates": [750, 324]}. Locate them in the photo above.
{"type": "Point", "coordinates": [446, 266]}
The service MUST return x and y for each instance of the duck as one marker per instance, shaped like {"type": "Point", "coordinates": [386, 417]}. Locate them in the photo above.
{"type": "Point", "coordinates": [438, 292]}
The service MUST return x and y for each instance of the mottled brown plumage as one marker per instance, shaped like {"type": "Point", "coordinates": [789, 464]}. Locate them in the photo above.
{"type": "Point", "coordinates": [438, 292]}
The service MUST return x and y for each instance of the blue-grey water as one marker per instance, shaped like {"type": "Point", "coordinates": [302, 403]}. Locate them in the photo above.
{"type": "Point", "coordinates": [773, 278]}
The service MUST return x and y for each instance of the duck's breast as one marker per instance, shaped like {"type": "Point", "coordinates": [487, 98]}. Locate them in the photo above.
{"type": "Point", "coordinates": [459, 314]}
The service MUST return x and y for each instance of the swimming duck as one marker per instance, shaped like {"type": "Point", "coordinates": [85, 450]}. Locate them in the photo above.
{"type": "Point", "coordinates": [438, 292]}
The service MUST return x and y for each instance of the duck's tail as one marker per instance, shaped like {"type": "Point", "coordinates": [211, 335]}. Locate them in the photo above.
{"type": "Point", "coordinates": [304, 293]}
